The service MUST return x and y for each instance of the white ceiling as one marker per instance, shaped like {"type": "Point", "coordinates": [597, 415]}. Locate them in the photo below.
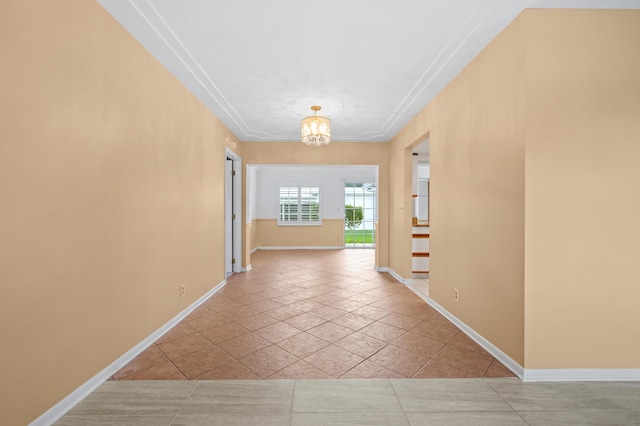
{"type": "Point", "coordinates": [371, 64]}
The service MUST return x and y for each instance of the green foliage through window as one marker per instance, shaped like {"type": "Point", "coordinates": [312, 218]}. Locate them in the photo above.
{"type": "Point", "coordinates": [352, 216]}
{"type": "Point", "coordinates": [359, 236]}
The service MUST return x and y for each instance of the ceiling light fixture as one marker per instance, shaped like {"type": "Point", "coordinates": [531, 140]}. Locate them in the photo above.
{"type": "Point", "coordinates": [316, 130]}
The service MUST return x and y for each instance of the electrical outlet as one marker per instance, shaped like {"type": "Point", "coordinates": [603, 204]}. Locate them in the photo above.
{"type": "Point", "coordinates": [456, 294]}
{"type": "Point", "coordinates": [182, 290]}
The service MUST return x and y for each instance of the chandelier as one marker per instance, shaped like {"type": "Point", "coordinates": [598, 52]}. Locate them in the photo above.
{"type": "Point", "coordinates": [316, 130]}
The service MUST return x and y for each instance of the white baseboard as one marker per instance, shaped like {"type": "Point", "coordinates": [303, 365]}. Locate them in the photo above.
{"type": "Point", "coordinates": [66, 404]}
{"type": "Point", "coordinates": [581, 374]}
{"type": "Point", "coordinates": [247, 269]}
{"type": "Point", "coordinates": [253, 250]}
{"type": "Point", "coordinates": [417, 293]}
{"type": "Point", "coordinates": [398, 277]}
{"type": "Point", "coordinates": [380, 268]}
{"type": "Point", "coordinates": [301, 247]}
{"type": "Point", "coordinates": [516, 368]}
{"type": "Point", "coordinates": [541, 375]}
{"type": "Point", "coordinates": [505, 359]}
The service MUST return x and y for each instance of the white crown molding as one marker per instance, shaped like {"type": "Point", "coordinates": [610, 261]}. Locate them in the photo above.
{"type": "Point", "coordinates": [476, 29]}
{"type": "Point", "coordinates": [429, 56]}
{"type": "Point", "coordinates": [428, 83]}
{"type": "Point", "coordinates": [170, 40]}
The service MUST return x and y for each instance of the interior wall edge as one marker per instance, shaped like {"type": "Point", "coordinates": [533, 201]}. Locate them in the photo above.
{"type": "Point", "coordinates": [495, 351]}
{"type": "Point", "coordinates": [67, 403]}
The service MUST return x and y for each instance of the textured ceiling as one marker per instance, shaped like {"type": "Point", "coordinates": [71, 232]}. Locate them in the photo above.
{"type": "Point", "coordinates": [371, 64]}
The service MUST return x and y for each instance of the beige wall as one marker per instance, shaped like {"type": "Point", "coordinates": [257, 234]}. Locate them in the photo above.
{"type": "Point", "coordinates": [252, 237]}
{"type": "Point", "coordinates": [400, 207]}
{"type": "Point", "coordinates": [534, 190]}
{"type": "Point", "coordinates": [336, 153]}
{"type": "Point", "coordinates": [477, 181]}
{"type": "Point", "coordinates": [583, 189]}
{"type": "Point", "coordinates": [476, 131]}
{"type": "Point", "coordinates": [111, 180]}
{"type": "Point", "coordinates": [269, 234]}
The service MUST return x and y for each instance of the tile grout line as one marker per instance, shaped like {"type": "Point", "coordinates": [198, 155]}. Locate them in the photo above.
{"type": "Point", "coordinates": [436, 354]}
{"type": "Point", "coordinates": [487, 381]}
{"type": "Point", "coordinates": [388, 297]}
{"type": "Point", "coordinates": [184, 403]}
{"type": "Point", "coordinates": [395, 392]}
{"type": "Point", "coordinates": [293, 397]}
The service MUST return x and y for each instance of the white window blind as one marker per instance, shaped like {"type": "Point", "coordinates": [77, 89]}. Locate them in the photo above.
{"type": "Point", "coordinates": [299, 205]}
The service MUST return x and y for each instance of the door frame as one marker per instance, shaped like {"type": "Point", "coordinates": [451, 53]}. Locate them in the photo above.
{"type": "Point", "coordinates": [235, 186]}
{"type": "Point", "coordinates": [374, 221]}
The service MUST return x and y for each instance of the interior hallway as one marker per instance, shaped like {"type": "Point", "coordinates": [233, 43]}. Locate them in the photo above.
{"type": "Point", "coordinates": [313, 314]}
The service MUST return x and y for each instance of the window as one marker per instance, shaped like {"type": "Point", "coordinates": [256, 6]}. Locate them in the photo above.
{"type": "Point", "coordinates": [360, 214]}
{"type": "Point", "coordinates": [299, 205]}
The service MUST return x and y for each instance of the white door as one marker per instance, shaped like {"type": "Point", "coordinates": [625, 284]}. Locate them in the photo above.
{"type": "Point", "coordinates": [360, 214]}
{"type": "Point", "coordinates": [228, 217]}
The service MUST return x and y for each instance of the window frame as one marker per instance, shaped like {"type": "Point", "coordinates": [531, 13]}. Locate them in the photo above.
{"type": "Point", "coordinates": [299, 206]}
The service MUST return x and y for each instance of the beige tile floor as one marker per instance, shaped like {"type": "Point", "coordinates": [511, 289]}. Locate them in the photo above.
{"type": "Point", "coordinates": [313, 314]}
{"type": "Point", "coordinates": [495, 401]}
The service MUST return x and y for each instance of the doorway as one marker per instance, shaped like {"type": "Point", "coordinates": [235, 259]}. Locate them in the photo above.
{"type": "Point", "coordinates": [232, 222]}
{"type": "Point", "coordinates": [360, 214]}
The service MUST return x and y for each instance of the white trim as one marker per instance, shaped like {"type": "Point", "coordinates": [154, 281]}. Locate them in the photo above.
{"type": "Point", "coordinates": [253, 250]}
{"type": "Point", "coordinates": [537, 375]}
{"type": "Point", "coordinates": [54, 413]}
{"type": "Point", "coordinates": [581, 374]}
{"type": "Point", "coordinates": [237, 208]}
{"type": "Point", "coordinates": [380, 268]}
{"type": "Point", "coordinates": [359, 180]}
{"type": "Point", "coordinates": [505, 359]}
{"type": "Point", "coordinates": [420, 295]}
{"type": "Point", "coordinates": [301, 248]}
{"type": "Point", "coordinates": [300, 222]}
{"type": "Point", "coordinates": [229, 232]}
{"type": "Point", "coordinates": [397, 276]}
{"type": "Point", "coordinates": [247, 269]}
